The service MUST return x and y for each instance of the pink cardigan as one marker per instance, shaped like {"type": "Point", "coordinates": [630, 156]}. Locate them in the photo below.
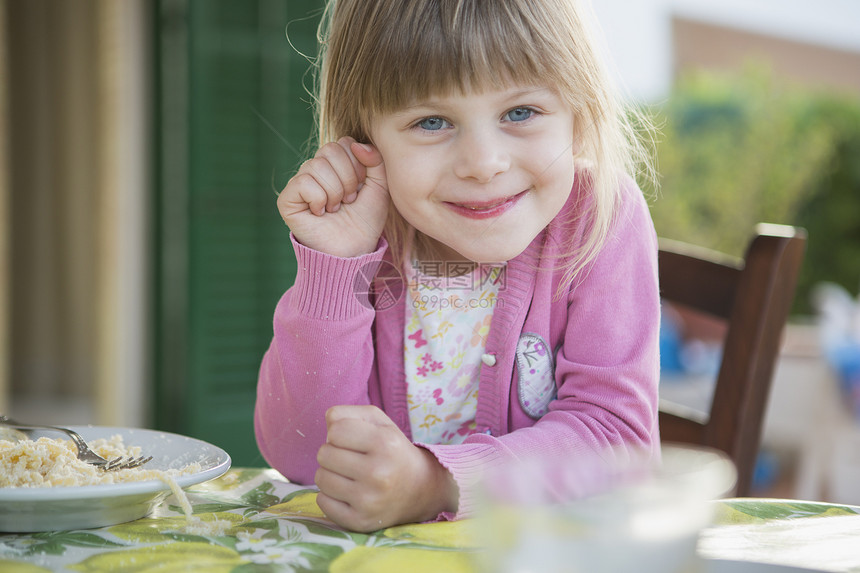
{"type": "Point", "coordinates": [330, 347]}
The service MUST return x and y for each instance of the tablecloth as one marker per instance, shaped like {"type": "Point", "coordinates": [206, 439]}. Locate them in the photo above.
{"type": "Point", "coordinates": [265, 524]}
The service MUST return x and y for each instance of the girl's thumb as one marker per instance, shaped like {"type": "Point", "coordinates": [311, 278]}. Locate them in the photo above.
{"type": "Point", "coordinates": [369, 156]}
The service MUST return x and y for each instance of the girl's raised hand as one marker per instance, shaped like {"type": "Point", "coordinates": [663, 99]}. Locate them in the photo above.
{"type": "Point", "coordinates": [371, 476]}
{"type": "Point", "coordinates": [337, 202]}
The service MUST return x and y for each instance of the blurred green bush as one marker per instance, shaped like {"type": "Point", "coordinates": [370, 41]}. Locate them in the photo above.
{"type": "Point", "coordinates": [739, 149]}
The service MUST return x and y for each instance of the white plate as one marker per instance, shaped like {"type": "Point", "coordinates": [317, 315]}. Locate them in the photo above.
{"type": "Point", "coordinates": [63, 508]}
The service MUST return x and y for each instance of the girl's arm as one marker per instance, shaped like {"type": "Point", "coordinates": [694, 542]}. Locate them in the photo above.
{"type": "Point", "coordinates": [321, 355]}
{"type": "Point", "coordinates": [313, 420]}
{"type": "Point", "coordinates": [321, 352]}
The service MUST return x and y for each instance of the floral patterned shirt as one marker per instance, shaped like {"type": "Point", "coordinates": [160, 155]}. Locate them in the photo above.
{"type": "Point", "coordinates": [447, 322]}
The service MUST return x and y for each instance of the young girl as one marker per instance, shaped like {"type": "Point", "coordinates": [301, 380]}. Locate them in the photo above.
{"type": "Point", "coordinates": [476, 269]}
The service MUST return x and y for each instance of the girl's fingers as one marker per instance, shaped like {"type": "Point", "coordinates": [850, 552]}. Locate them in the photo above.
{"type": "Point", "coordinates": [367, 154]}
{"type": "Point", "coordinates": [335, 485]}
{"type": "Point", "coordinates": [334, 178]}
{"type": "Point", "coordinates": [319, 187]}
{"type": "Point", "coordinates": [371, 159]}
{"type": "Point", "coordinates": [348, 144]}
{"type": "Point", "coordinates": [337, 510]}
{"type": "Point", "coordinates": [329, 180]}
{"type": "Point", "coordinates": [342, 172]}
{"type": "Point", "coordinates": [323, 182]}
{"type": "Point", "coordinates": [362, 429]}
{"type": "Point", "coordinates": [303, 193]}
{"type": "Point", "coordinates": [342, 461]}
{"type": "Point", "coordinates": [370, 414]}
{"type": "Point", "coordinates": [346, 504]}
{"type": "Point", "coordinates": [357, 435]}
{"type": "Point", "coordinates": [347, 516]}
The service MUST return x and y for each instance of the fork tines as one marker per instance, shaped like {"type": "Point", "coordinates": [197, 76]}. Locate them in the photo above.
{"type": "Point", "coordinates": [125, 463]}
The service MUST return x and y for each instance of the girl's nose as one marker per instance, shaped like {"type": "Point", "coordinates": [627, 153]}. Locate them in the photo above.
{"type": "Point", "coordinates": [481, 156]}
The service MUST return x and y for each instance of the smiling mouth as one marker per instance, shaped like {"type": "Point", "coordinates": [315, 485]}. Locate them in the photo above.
{"type": "Point", "coordinates": [486, 209]}
{"type": "Point", "coordinates": [489, 205]}
{"type": "Point", "coordinates": [483, 206]}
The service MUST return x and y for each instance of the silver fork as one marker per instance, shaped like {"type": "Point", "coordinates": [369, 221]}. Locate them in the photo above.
{"type": "Point", "coordinates": [85, 454]}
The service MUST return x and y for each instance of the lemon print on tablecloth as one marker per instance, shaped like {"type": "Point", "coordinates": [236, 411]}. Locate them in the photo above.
{"type": "Point", "coordinates": [733, 512]}
{"type": "Point", "coordinates": [836, 510]}
{"type": "Point", "coordinates": [167, 558]}
{"type": "Point", "coordinates": [399, 559]}
{"type": "Point", "coordinates": [7, 566]}
{"type": "Point", "coordinates": [153, 530]}
{"type": "Point", "coordinates": [455, 534]}
{"type": "Point", "coordinates": [225, 482]}
{"type": "Point", "coordinates": [304, 504]}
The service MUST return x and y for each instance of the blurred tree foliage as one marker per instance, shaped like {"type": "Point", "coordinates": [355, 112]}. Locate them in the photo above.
{"type": "Point", "coordinates": [735, 150]}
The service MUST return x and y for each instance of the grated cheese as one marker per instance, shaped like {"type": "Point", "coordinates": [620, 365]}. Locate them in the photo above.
{"type": "Point", "coordinates": [49, 462]}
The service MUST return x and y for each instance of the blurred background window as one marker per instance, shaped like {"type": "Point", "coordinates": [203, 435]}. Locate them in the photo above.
{"type": "Point", "coordinates": [233, 117]}
{"type": "Point", "coordinates": [146, 142]}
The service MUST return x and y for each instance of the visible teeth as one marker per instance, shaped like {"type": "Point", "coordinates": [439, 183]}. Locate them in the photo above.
{"type": "Point", "coordinates": [484, 208]}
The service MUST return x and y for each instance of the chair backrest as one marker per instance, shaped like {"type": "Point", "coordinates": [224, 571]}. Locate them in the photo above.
{"type": "Point", "coordinates": [753, 296]}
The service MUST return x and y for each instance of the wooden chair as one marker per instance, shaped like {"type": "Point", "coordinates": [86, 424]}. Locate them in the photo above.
{"type": "Point", "coordinates": [753, 296]}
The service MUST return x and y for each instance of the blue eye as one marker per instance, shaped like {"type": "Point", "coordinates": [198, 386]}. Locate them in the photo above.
{"type": "Point", "coordinates": [432, 123]}
{"type": "Point", "coordinates": [519, 114]}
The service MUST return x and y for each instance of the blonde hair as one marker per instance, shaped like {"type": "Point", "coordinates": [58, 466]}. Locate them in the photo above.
{"type": "Point", "coordinates": [379, 56]}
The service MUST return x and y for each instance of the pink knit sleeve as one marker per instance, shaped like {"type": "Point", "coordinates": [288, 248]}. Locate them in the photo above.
{"type": "Point", "coordinates": [321, 355]}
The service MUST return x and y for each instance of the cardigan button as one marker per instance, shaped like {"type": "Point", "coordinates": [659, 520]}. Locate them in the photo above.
{"type": "Point", "coordinates": [488, 359]}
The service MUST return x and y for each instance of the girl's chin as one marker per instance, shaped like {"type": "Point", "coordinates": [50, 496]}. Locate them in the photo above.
{"type": "Point", "coordinates": [489, 255]}
{"type": "Point", "coordinates": [480, 249]}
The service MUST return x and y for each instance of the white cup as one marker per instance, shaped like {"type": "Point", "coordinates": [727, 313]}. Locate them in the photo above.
{"type": "Point", "coordinates": [643, 519]}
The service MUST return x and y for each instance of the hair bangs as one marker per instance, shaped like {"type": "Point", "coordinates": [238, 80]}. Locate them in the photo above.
{"type": "Point", "coordinates": [449, 46]}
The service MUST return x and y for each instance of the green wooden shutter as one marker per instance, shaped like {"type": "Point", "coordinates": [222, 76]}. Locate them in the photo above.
{"type": "Point", "coordinates": [233, 117]}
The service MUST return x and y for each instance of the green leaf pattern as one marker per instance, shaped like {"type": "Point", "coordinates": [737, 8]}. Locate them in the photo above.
{"type": "Point", "coordinates": [267, 525]}
{"type": "Point", "coordinates": [735, 511]}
